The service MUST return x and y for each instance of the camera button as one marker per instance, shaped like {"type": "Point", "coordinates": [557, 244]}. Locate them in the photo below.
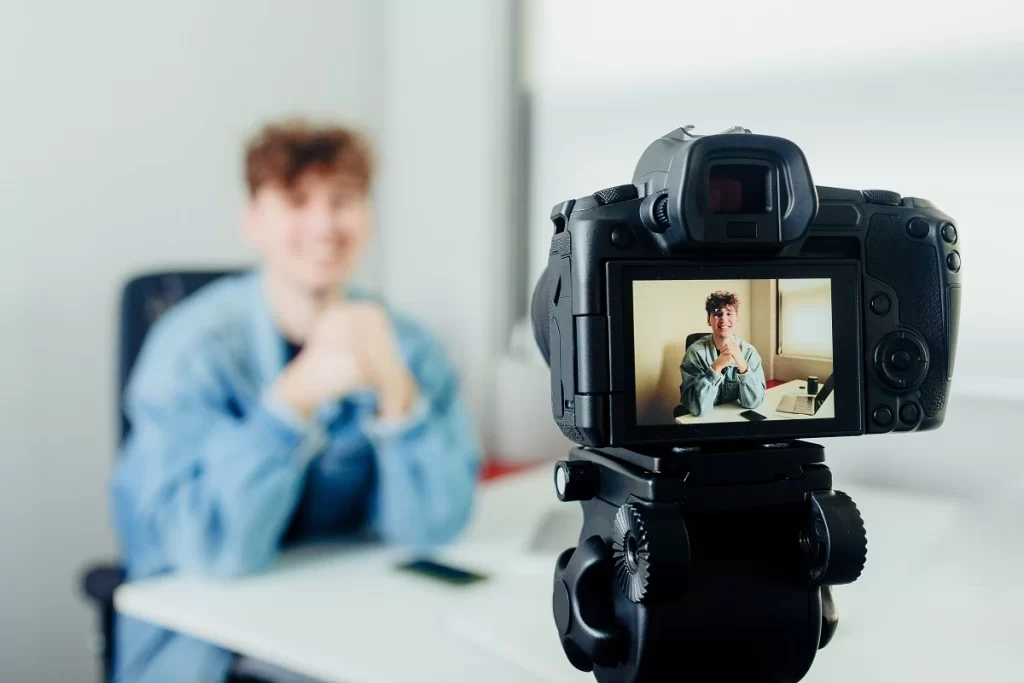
{"type": "Point", "coordinates": [918, 228]}
{"type": "Point", "coordinates": [623, 237]}
{"type": "Point", "coordinates": [880, 304]}
{"type": "Point", "coordinates": [614, 195]}
{"type": "Point", "coordinates": [953, 261]}
{"type": "Point", "coordinates": [949, 233]}
{"type": "Point", "coordinates": [909, 414]}
{"type": "Point", "coordinates": [882, 416]}
{"type": "Point", "coordinates": [901, 360]}
{"type": "Point", "coordinates": [884, 197]}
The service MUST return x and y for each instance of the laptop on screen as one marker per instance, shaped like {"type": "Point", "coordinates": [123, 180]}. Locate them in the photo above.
{"type": "Point", "coordinates": [802, 404]}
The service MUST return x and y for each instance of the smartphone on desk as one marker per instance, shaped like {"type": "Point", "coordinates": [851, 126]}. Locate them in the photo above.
{"type": "Point", "coordinates": [753, 416]}
{"type": "Point", "coordinates": [441, 572]}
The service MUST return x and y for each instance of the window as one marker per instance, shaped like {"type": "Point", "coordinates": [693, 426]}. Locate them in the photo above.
{"type": "Point", "coordinates": [805, 318]}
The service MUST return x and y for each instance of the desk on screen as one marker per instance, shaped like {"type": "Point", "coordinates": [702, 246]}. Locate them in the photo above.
{"type": "Point", "coordinates": [730, 412]}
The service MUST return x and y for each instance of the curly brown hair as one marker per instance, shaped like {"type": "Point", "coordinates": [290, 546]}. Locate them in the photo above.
{"type": "Point", "coordinates": [718, 300]}
{"type": "Point", "coordinates": [283, 151]}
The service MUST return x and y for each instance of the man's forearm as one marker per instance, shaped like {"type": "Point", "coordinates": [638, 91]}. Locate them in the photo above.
{"type": "Point", "coordinates": [227, 515]}
{"type": "Point", "coordinates": [427, 472]}
{"type": "Point", "coordinates": [752, 388]}
{"type": "Point", "coordinates": [701, 392]}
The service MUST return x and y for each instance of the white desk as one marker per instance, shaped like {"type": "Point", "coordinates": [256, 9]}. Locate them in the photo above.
{"type": "Point", "coordinates": [730, 412]}
{"type": "Point", "coordinates": [342, 613]}
{"type": "Point", "coordinates": [940, 600]}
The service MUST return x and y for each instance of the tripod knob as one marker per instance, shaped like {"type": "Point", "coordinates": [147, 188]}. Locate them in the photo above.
{"type": "Point", "coordinates": [583, 606]}
{"type": "Point", "coordinates": [834, 542]}
{"type": "Point", "coordinates": [651, 551]}
{"type": "Point", "coordinates": [575, 480]}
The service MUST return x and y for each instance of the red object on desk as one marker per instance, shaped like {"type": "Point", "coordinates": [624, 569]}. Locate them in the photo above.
{"type": "Point", "coordinates": [494, 468]}
{"type": "Point", "coordinates": [773, 383]}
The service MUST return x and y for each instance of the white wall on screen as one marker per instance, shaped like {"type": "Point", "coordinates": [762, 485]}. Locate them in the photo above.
{"type": "Point", "coordinates": [805, 318]}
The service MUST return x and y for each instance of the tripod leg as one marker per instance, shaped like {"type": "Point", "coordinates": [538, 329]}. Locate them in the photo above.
{"type": "Point", "coordinates": [829, 616]}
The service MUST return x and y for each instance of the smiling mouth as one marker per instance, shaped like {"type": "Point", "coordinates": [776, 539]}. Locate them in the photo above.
{"type": "Point", "coordinates": [324, 255]}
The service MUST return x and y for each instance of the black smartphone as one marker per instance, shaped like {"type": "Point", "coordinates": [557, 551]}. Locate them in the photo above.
{"type": "Point", "coordinates": [753, 416]}
{"type": "Point", "coordinates": [441, 572]}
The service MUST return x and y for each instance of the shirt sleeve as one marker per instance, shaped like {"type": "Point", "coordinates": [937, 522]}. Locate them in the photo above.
{"type": "Point", "coordinates": [428, 461]}
{"type": "Point", "coordinates": [213, 490]}
{"type": "Point", "coordinates": [752, 382]}
{"type": "Point", "coordinates": [700, 384]}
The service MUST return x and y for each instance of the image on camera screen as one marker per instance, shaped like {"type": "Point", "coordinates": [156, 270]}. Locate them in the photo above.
{"type": "Point", "coordinates": [710, 351]}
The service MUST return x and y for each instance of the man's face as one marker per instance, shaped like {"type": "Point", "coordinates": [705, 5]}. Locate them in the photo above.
{"type": "Point", "coordinates": [312, 234]}
{"type": "Point", "coordinates": [722, 321]}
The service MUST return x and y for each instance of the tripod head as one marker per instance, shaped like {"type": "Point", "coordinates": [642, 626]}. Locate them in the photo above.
{"type": "Point", "coordinates": [703, 564]}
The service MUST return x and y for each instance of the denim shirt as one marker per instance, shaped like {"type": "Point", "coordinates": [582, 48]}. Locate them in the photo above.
{"type": "Point", "coordinates": [702, 388]}
{"type": "Point", "coordinates": [216, 473]}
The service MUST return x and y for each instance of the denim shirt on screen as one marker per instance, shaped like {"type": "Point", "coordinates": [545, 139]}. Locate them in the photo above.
{"type": "Point", "coordinates": [217, 473]}
{"type": "Point", "coordinates": [702, 388]}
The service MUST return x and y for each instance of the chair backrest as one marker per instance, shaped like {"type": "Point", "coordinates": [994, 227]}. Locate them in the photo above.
{"type": "Point", "coordinates": [680, 409]}
{"type": "Point", "coordinates": [144, 299]}
{"type": "Point", "coordinates": [690, 338]}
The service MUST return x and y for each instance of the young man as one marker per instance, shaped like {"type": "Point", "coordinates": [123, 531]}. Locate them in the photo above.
{"type": "Point", "coordinates": [721, 367]}
{"type": "Point", "coordinates": [280, 405]}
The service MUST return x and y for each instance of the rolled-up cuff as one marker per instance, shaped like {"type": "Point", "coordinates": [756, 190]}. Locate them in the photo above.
{"type": "Point", "coordinates": [714, 377]}
{"type": "Point", "coordinates": [392, 428]}
{"type": "Point", "coordinates": [307, 434]}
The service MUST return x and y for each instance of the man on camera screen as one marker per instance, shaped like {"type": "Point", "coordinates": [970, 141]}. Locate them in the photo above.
{"type": "Point", "coordinates": [721, 367]}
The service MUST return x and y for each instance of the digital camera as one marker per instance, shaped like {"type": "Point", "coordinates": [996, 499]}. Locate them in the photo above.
{"type": "Point", "coordinates": [722, 295]}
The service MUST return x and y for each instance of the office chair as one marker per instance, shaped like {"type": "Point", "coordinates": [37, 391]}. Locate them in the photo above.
{"type": "Point", "coordinates": [680, 409]}
{"type": "Point", "coordinates": [143, 300]}
{"type": "Point", "coordinates": [690, 338]}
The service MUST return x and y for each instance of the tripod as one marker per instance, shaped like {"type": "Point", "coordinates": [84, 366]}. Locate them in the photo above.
{"type": "Point", "coordinates": [705, 564]}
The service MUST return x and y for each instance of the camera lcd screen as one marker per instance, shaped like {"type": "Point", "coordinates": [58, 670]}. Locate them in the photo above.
{"type": "Point", "coordinates": [791, 325]}
{"type": "Point", "coordinates": [714, 351]}
{"type": "Point", "coordinates": [737, 188]}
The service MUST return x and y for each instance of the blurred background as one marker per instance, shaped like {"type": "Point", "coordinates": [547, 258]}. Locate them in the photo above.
{"type": "Point", "coordinates": [121, 130]}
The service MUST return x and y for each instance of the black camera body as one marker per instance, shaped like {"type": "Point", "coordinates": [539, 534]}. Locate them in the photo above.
{"type": "Point", "coordinates": [737, 205]}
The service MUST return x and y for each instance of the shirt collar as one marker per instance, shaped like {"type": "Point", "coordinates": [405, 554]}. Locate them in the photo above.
{"type": "Point", "coordinates": [268, 342]}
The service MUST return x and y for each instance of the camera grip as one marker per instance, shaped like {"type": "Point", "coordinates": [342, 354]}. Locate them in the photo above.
{"type": "Point", "coordinates": [911, 267]}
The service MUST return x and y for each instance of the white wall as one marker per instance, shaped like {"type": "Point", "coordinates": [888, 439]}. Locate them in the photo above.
{"type": "Point", "coordinates": [121, 126]}
{"type": "Point", "coordinates": [450, 170]}
{"type": "Point", "coordinates": [901, 95]}
{"type": "Point", "coordinates": [596, 43]}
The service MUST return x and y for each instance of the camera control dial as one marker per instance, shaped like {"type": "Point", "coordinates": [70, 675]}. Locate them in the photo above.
{"type": "Point", "coordinates": [901, 360]}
